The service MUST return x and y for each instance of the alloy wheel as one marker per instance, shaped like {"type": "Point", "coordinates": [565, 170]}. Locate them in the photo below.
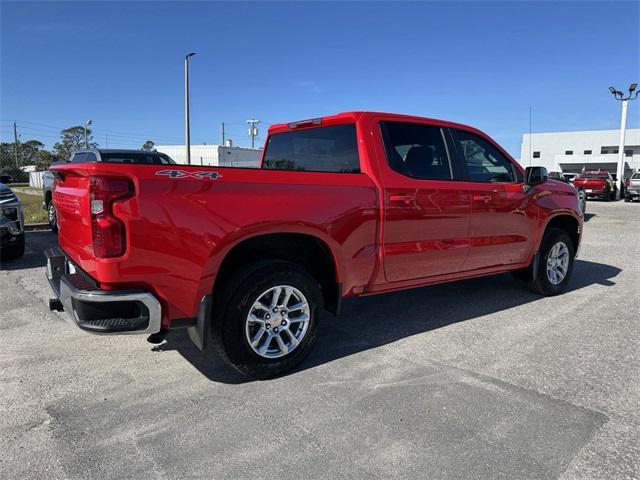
{"type": "Point", "coordinates": [558, 263]}
{"type": "Point", "coordinates": [277, 321]}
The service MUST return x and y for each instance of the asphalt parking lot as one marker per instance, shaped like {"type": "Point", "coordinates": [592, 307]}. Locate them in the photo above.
{"type": "Point", "coordinates": [476, 379]}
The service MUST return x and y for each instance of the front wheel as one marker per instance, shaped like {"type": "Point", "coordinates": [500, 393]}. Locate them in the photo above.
{"type": "Point", "coordinates": [268, 318]}
{"type": "Point", "coordinates": [582, 201]}
{"type": "Point", "coordinates": [557, 254]}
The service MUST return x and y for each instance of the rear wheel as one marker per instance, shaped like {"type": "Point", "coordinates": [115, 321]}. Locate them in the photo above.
{"type": "Point", "coordinates": [556, 263]}
{"type": "Point", "coordinates": [268, 318]}
{"type": "Point", "coordinates": [52, 217]}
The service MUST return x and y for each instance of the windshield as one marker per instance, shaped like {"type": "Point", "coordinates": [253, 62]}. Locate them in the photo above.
{"type": "Point", "coordinates": [635, 176]}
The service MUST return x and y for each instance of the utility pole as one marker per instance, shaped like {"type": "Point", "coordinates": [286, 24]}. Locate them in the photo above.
{"type": "Point", "coordinates": [618, 95]}
{"type": "Point", "coordinates": [15, 143]}
{"type": "Point", "coordinates": [253, 130]}
{"type": "Point", "coordinates": [186, 106]}
{"type": "Point", "coordinates": [222, 131]}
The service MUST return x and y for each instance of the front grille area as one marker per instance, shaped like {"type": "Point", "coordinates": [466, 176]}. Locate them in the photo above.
{"type": "Point", "coordinates": [7, 195]}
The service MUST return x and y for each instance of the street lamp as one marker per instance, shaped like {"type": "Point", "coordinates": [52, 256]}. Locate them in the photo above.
{"type": "Point", "coordinates": [186, 106]}
{"type": "Point", "coordinates": [618, 95]}
{"type": "Point", "coordinates": [86, 125]}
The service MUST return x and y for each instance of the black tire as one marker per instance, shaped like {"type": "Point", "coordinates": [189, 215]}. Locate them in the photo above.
{"type": "Point", "coordinates": [236, 302]}
{"type": "Point", "coordinates": [627, 199]}
{"type": "Point", "coordinates": [541, 283]}
{"type": "Point", "coordinates": [15, 250]}
{"type": "Point", "coordinates": [52, 217]}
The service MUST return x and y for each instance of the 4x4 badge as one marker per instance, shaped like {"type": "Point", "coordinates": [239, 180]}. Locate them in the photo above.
{"type": "Point", "coordinates": [185, 174]}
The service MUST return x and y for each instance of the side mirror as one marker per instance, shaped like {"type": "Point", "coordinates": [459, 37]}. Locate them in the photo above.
{"type": "Point", "coordinates": [535, 175]}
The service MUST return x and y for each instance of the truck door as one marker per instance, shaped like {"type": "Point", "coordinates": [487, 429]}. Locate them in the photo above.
{"type": "Point", "coordinates": [426, 214]}
{"type": "Point", "coordinates": [500, 228]}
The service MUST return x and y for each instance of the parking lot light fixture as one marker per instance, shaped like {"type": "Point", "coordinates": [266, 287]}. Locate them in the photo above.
{"type": "Point", "coordinates": [618, 95]}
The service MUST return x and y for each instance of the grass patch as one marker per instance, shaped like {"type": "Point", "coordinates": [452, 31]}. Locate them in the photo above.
{"type": "Point", "coordinates": [32, 206]}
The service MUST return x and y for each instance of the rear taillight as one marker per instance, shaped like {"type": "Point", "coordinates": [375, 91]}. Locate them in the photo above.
{"type": "Point", "coordinates": [108, 231]}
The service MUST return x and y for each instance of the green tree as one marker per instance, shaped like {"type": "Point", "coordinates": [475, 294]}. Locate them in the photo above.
{"type": "Point", "coordinates": [44, 158]}
{"type": "Point", "coordinates": [148, 146]}
{"type": "Point", "coordinates": [28, 152]}
{"type": "Point", "coordinates": [72, 139]}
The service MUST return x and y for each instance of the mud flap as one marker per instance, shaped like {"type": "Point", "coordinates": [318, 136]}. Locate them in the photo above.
{"type": "Point", "coordinates": [199, 334]}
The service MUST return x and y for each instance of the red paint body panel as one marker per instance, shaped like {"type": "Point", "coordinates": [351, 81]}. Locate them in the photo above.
{"type": "Point", "coordinates": [385, 231]}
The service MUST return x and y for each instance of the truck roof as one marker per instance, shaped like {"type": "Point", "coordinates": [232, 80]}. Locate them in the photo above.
{"type": "Point", "coordinates": [357, 115]}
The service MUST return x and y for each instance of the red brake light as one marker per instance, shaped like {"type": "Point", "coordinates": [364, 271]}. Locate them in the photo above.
{"type": "Point", "coordinates": [108, 231]}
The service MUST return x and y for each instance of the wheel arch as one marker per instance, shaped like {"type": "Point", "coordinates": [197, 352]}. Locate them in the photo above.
{"type": "Point", "coordinates": [305, 249]}
{"type": "Point", "coordinates": [565, 221]}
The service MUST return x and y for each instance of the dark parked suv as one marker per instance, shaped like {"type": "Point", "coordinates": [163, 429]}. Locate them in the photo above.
{"type": "Point", "coordinates": [98, 155]}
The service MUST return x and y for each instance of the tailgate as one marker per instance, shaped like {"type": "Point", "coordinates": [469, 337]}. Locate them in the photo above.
{"type": "Point", "coordinates": [595, 183]}
{"type": "Point", "coordinates": [71, 200]}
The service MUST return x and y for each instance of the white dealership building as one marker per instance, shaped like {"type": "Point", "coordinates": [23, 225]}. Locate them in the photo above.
{"type": "Point", "coordinates": [214, 155]}
{"type": "Point", "coordinates": [573, 151]}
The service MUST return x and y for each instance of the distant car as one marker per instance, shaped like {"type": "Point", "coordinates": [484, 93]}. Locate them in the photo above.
{"type": "Point", "coordinates": [597, 184]}
{"type": "Point", "coordinates": [632, 187]}
{"type": "Point", "coordinates": [4, 178]}
{"type": "Point", "coordinates": [11, 224]}
{"type": "Point", "coordinates": [97, 155]}
{"type": "Point", "coordinates": [567, 178]}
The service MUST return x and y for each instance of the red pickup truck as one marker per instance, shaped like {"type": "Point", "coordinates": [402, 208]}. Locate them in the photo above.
{"type": "Point", "coordinates": [597, 184]}
{"type": "Point", "coordinates": [352, 204]}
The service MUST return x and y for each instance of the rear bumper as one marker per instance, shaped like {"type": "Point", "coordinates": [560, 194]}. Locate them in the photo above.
{"type": "Point", "coordinates": [98, 311]}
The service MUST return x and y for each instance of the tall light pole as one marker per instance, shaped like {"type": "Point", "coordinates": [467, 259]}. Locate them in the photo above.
{"type": "Point", "coordinates": [618, 95]}
{"type": "Point", "coordinates": [187, 130]}
{"type": "Point", "coordinates": [86, 126]}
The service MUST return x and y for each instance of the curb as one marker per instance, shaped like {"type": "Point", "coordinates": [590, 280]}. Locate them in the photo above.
{"type": "Point", "coordinates": [37, 227]}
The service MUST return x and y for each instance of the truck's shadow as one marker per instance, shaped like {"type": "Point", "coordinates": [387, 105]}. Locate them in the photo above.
{"type": "Point", "coordinates": [370, 322]}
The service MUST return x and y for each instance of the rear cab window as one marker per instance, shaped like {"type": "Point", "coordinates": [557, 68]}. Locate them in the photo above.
{"type": "Point", "coordinates": [318, 149]}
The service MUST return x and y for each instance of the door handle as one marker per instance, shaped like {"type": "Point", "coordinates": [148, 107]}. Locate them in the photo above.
{"type": "Point", "coordinates": [406, 199]}
{"type": "Point", "coordinates": [481, 198]}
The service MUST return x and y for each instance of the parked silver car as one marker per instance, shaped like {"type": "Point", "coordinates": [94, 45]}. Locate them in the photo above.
{"type": "Point", "coordinates": [11, 224]}
{"type": "Point", "coordinates": [632, 188]}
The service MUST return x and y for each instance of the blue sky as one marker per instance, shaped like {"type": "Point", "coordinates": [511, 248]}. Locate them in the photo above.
{"type": "Point", "coordinates": [481, 63]}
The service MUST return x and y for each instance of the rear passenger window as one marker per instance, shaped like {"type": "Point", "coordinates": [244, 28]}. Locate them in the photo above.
{"type": "Point", "coordinates": [79, 158]}
{"type": "Point", "coordinates": [483, 162]}
{"type": "Point", "coordinates": [416, 151]}
{"type": "Point", "coordinates": [321, 149]}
